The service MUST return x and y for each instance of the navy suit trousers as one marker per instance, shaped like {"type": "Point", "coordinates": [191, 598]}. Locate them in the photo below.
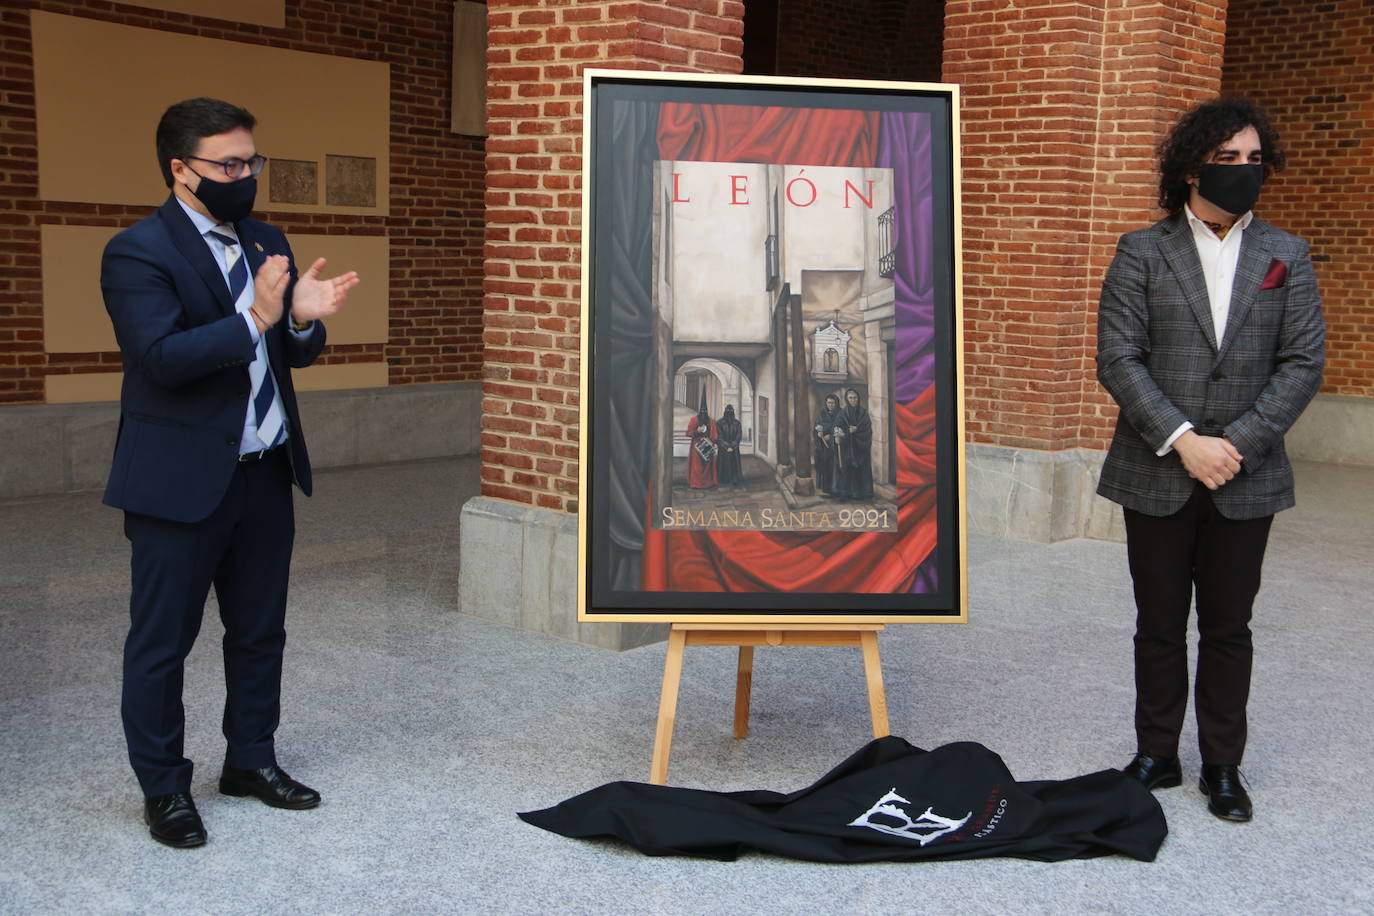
{"type": "Point", "coordinates": [243, 549]}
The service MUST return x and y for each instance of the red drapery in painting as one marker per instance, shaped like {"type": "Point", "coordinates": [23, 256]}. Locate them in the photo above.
{"type": "Point", "coordinates": [748, 133]}
{"type": "Point", "coordinates": [761, 561]}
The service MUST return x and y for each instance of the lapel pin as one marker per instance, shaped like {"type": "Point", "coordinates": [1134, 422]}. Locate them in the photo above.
{"type": "Point", "coordinates": [258, 245]}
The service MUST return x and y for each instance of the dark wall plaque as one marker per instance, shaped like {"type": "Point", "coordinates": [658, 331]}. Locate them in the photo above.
{"type": "Point", "coordinates": [350, 181]}
{"type": "Point", "coordinates": [293, 181]}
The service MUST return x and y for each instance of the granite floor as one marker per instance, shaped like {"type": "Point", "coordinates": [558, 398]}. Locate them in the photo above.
{"type": "Point", "coordinates": [426, 729]}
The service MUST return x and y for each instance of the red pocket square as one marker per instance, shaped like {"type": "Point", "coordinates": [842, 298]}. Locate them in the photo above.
{"type": "Point", "coordinates": [1275, 276]}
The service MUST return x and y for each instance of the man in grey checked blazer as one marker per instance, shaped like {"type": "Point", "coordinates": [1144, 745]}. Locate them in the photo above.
{"type": "Point", "coordinates": [1210, 339]}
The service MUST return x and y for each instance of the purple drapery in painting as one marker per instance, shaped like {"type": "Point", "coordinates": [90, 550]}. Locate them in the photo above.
{"type": "Point", "coordinates": [904, 146]}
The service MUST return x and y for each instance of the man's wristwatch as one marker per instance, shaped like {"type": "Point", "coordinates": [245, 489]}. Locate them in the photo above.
{"type": "Point", "coordinates": [299, 325]}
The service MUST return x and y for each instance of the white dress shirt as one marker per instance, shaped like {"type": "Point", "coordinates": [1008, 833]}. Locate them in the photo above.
{"type": "Point", "coordinates": [1219, 257]}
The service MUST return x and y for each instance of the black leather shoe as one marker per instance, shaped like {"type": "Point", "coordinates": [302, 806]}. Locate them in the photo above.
{"type": "Point", "coordinates": [1154, 772]}
{"type": "Point", "coordinates": [1226, 797]}
{"type": "Point", "coordinates": [174, 821]}
{"type": "Point", "coordinates": [270, 785]}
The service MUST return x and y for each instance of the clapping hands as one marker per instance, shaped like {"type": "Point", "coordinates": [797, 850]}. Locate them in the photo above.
{"type": "Point", "coordinates": [315, 298]}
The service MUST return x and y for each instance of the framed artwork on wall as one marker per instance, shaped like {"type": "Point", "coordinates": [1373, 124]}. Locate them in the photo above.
{"type": "Point", "coordinates": [772, 399]}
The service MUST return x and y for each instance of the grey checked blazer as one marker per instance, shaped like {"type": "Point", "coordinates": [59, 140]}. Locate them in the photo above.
{"type": "Point", "coordinates": [1158, 356]}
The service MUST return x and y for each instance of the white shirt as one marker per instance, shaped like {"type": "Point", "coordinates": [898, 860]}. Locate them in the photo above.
{"type": "Point", "coordinates": [1219, 257]}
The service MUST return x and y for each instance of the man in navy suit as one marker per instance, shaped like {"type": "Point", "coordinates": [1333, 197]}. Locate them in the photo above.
{"type": "Point", "coordinates": [211, 316]}
{"type": "Point", "coordinates": [1211, 339]}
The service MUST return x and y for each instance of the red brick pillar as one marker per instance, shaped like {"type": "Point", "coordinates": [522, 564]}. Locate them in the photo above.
{"type": "Point", "coordinates": [1063, 103]}
{"type": "Point", "coordinates": [537, 50]}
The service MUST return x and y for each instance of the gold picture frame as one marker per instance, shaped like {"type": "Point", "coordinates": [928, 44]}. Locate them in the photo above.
{"type": "Point", "coordinates": [752, 247]}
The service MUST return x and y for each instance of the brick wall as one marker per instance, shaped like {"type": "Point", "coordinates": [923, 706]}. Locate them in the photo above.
{"type": "Point", "coordinates": [1062, 104]}
{"type": "Point", "coordinates": [821, 38]}
{"type": "Point", "coordinates": [536, 54]}
{"type": "Point", "coordinates": [861, 39]}
{"type": "Point", "coordinates": [436, 182]}
{"type": "Point", "coordinates": [1309, 65]}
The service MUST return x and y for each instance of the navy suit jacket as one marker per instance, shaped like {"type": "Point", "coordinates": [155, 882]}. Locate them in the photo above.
{"type": "Point", "coordinates": [186, 354]}
{"type": "Point", "coordinates": [1159, 357]}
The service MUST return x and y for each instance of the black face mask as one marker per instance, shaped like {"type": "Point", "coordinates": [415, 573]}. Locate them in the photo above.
{"type": "Point", "coordinates": [1233, 188]}
{"type": "Point", "coordinates": [227, 201]}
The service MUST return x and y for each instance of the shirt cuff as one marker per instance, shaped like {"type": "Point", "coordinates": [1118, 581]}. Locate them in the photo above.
{"type": "Point", "coordinates": [304, 332]}
{"type": "Point", "coordinates": [252, 326]}
{"type": "Point", "coordinates": [1168, 445]}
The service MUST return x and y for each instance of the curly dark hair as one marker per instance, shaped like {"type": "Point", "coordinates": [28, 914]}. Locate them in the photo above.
{"type": "Point", "coordinates": [1201, 130]}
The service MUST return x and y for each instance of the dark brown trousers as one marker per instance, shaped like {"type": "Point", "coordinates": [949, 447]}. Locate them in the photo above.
{"type": "Point", "coordinates": [1221, 557]}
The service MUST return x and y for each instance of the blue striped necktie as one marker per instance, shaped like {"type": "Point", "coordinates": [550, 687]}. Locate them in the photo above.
{"type": "Point", "coordinates": [266, 415]}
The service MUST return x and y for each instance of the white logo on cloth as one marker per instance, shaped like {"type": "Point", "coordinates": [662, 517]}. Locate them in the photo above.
{"type": "Point", "coordinates": [925, 829]}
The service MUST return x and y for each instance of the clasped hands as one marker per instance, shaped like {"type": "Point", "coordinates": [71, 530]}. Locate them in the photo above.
{"type": "Point", "coordinates": [1213, 460]}
{"type": "Point", "coordinates": [312, 298]}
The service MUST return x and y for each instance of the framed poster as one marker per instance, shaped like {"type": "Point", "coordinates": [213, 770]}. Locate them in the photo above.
{"type": "Point", "coordinates": [772, 402]}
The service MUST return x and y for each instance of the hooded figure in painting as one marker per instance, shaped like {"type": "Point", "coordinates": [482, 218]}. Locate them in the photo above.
{"type": "Point", "coordinates": [731, 430]}
{"type": "Point", "coordinates": [701, 454]}
{"type": "Point", "coordinates": [824, 452]}
{"type": "Point", "coordinates": [855, 436]}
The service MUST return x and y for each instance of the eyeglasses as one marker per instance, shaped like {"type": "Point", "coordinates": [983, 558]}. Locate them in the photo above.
{"type": "Point", "coordinates": [233, 166]}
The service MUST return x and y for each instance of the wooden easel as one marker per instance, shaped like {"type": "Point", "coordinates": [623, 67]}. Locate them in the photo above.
{"type": "Point", "coordinates": [747, 636]}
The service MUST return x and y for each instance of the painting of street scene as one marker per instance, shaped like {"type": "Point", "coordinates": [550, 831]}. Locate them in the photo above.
{"type": "Point", "coordinates": [772, 280]}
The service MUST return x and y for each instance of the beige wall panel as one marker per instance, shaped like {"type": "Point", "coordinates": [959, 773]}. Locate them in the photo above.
{"type": "Point", "coordinates": [100, 89]}
{"type": "Point", "coordinates": [74, 316]}
{"type": "Point", "coordinates": [340, 375]}
{"type": "Point", "coordinates": [364, 317]}
{"type": "Point", "coordinates": [88, 386]}
{"type": "Point", "coordinates": [258, 12]}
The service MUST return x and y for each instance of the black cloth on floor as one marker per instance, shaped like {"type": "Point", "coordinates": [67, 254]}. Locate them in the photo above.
{"type": "Point", "coordinates": [890, 801]}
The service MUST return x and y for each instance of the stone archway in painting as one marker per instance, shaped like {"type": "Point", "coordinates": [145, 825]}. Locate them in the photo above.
{"type": "Point", "coordinates": [721, 382]}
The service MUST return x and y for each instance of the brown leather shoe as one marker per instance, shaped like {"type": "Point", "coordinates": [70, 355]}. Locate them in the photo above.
{"type": "Point", "coordinates": [270, 785]}
{"type": "Point", "coordinates": [1155, 772]}
{"type": "Point", "coordinates": [174, 821]}
{"type": "Point", "coordinates": [1226, 797]}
